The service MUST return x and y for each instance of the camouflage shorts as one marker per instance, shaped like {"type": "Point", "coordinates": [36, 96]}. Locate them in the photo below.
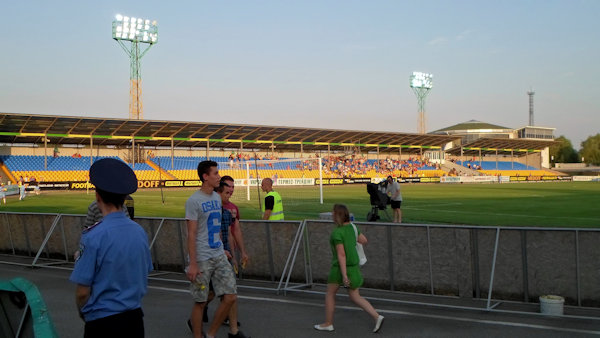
{"type": "Point", "coordinates": [220, 272]}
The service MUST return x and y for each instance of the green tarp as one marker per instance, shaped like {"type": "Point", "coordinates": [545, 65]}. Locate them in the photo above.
{"type": "Point", "coordinates": [23, 312]}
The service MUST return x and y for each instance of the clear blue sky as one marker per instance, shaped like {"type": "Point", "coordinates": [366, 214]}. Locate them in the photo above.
{"type": "Point", "coordinates": [327, 64]}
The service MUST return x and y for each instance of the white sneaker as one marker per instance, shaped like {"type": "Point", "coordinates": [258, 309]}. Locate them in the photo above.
{"type": "Point", "coordinates": [324, 328]}
{"type": "Point", "coordinates": [378, 323]}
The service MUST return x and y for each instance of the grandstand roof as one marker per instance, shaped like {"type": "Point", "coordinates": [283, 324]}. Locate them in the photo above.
{"type": "Point", "coordinates": [25, 128]}
{"type": "Point", "coordinates": [471, 125]}
{"type": "Point", "coordinates": [491, 145]}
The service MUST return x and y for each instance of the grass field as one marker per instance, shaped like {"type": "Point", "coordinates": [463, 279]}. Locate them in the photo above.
{"type": "Point", "coordinates": [555, 204]}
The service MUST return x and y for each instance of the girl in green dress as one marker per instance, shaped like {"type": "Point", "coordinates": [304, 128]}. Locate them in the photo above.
{"type": "Point", "coordinates": [345, 269]}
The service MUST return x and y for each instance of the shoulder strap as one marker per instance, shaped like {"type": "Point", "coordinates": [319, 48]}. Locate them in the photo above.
{"type": "Point", "coordinates": [355, 231]}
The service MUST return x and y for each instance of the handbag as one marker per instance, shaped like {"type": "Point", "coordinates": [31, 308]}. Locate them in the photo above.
{"type": "Point", "coordinates": [362, 258]}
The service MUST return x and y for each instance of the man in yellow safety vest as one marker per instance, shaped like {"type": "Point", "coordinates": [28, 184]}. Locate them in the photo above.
{"type": "Point", "coordinates": [273, 207]}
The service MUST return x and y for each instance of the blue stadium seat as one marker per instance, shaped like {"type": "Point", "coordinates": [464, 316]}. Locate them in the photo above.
{"type": "Point", "coordinates": [502, 165]}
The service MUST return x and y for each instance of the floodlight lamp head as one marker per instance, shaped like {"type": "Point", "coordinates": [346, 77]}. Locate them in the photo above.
{"type": "Point", "coordinates": [134, 29]}
{"type": "Point", "coordinates": [421, 80]}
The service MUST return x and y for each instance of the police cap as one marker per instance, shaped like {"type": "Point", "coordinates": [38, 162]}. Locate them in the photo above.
{"type": "Point", "coordinates": [114, 176]}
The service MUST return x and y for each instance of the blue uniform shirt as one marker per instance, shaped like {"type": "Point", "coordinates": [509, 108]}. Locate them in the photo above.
{"type": "Point", "coordinates": [114, 261]}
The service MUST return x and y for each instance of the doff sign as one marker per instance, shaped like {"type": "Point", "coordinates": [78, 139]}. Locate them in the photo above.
{"type": "Point", "coordinates": [148, 184]}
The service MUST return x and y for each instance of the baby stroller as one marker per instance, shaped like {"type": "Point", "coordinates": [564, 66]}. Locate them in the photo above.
{"type": "Point", "coordinates": [379, 201]}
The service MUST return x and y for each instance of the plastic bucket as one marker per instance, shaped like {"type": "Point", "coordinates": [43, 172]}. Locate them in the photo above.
{"type": "Point", "coordinates": [552, 305]}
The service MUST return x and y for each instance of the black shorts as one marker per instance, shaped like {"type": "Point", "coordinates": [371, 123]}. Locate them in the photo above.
{"type": "Point", "coordinates": [396, 204]}
{"type": "Point", "coordinates": [124, 324]}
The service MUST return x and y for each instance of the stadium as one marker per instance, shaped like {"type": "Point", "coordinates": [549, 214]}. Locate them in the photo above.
{"type": "Point", "coordinates": [453, 188]}
{"type": "Point", "coordinates": [495, 239]}
{"type": "Point", "coordinates": [53, 153]}
{"type": "Point", "coordinates": [312, 169]}
{"type": "Point", "coordinates": [54, 150]}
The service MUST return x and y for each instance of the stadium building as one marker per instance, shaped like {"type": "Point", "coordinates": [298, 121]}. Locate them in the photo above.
{"type": "Point", "coordinates": [492, 148]}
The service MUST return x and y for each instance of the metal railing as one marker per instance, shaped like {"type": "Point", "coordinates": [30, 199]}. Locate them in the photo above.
{"type": "Point", "coordinates": [294, 274]}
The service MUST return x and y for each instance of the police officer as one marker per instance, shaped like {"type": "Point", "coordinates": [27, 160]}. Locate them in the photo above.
{"type": "Point", "coordinates": [273, 207]}
{"type": "Point", "coordinates": [113, 262]}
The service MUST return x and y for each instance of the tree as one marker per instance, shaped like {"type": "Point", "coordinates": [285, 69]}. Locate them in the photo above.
{"type": "Point", "coordinates": [563, 152]}
{"type": "Point", "coordinates": [590, 150]}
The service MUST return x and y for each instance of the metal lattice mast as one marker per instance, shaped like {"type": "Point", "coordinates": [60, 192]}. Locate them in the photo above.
{"type": "Point", "coordinates": [136, 107]}
{"type": "Point", "coordinates": [135, 31]}
{"type": "Point", "coordinates": [421, 83]}
{"type": "Point", "coordinates": [530, 93]}
{"type": "Point", "coordinates": [421, 123]}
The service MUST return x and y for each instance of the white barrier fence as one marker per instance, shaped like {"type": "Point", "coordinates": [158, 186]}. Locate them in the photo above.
{"type": "Point", "coordinates": [474, 179]}
{"type": "Point", "coordinates": [586, 178]}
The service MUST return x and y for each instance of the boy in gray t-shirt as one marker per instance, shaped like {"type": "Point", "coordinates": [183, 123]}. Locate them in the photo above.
{"type": "Point", "coordinates": [205, 249]}
{"type": "Point", "coordinates": [206, 209]}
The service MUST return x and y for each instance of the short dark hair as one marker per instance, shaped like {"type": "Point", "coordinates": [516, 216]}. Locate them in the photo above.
{"type": "Point", "coordinates": [204, 168]}
{"type": "Point", "coordinates": [227, 178]}
{"type": "Point", "coordinates": [111, 198]}
{"type": "Point", "coordinates": [221, 187]}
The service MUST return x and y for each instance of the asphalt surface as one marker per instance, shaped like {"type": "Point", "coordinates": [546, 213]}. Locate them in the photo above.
{"type": "Point", "coordinates": [264, 313]}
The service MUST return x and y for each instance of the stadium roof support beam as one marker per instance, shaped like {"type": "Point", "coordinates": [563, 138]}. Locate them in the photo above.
{"type": "Point", "coordinates": [496, 159]}
{"type": "Point", "coordinates": [91, 151]}
{"type": "Point", "coordinates": [172, 155]}
{"type": "Point", "coordinates": [45, 153]}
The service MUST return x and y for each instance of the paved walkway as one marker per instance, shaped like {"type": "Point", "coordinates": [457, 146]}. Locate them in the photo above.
{"type": "Point", "coordinates": [263, 313]}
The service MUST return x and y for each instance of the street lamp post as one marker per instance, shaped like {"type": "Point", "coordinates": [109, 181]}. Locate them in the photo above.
{"type": "Point", "coordinates": [136, 31]}
{"type": "Point", "coordinates": [421, 83]}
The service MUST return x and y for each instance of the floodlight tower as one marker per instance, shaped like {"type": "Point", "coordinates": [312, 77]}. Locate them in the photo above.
{"type": "Point", "coordinates": [531, 93]}
{"type": "Point", "coordinates": [136, 31]}
{"type": "Point", "coordinates": [421, 83]}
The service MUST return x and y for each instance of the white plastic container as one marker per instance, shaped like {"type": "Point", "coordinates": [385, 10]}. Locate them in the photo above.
{"type": "Point", "coordinates": [552, 305]}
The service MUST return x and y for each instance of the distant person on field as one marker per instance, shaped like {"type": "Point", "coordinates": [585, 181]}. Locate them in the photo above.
{"type": "Point", "coordinates": [22, 192]}
{"type": "Point", "coordinates": [113, 261]}
{"type": "Point", "coordinates": [393, 189]}
{"type": "Point", "coordinates": [2, 193]}
{"type": "Point", "coordinates": [273, 206]}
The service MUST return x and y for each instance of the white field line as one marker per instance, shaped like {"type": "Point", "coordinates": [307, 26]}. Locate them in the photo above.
{"type": "Point", "coordinates": [434, 205]}
{"type": "Point", "coordinates": [455, 318]}
{"type": "Point", "coordinates": [502, 214]}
